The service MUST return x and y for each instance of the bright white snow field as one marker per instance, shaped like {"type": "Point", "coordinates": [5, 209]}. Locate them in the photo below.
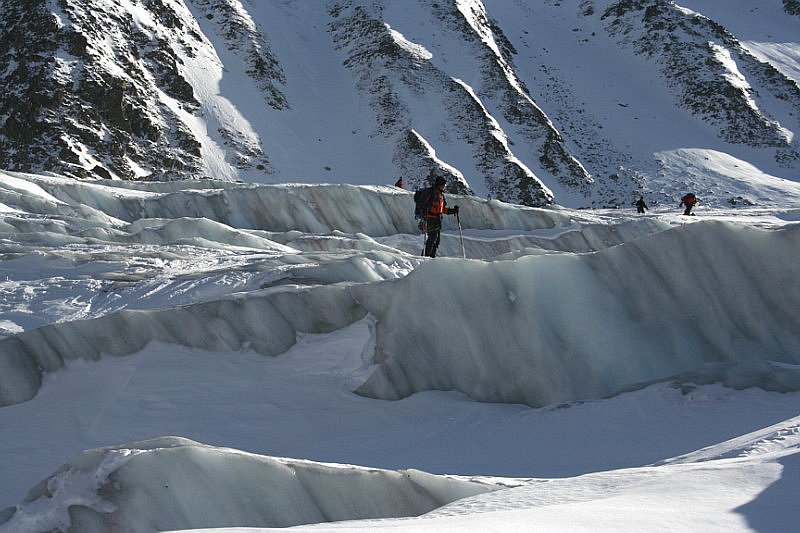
{"type": "Point", "coordinates": [224, 355]}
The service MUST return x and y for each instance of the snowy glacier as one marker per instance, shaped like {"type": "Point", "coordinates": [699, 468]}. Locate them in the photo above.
{"type": "Point", "coordinates": [262, 322]}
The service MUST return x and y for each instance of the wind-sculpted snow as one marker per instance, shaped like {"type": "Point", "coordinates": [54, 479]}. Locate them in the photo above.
{"type": "Point", "coordinates": [624, 316]}
{"type": "Point", "coordinates": [547, 329]}
{"type": "Point", "coordinates": [559, 327]}
{"type": "Point", "coordinates": [779, 439]}
{"type": "Point", "coordinates": [375, 211]}
{"type": "Point", "coordinates": [174, 483]}
{"type": "Point", "coordinates": [266, 324]}
{"type": "Point", "coordinates": [768, 454]}
{"type": "Point", "coordinates": [81, 249]}
{"type": "Point", "coordinates": [248, 315]}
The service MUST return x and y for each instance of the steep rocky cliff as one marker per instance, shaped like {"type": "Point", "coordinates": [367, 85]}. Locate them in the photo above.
{"type": "Point", "coordinates": [92, 89]}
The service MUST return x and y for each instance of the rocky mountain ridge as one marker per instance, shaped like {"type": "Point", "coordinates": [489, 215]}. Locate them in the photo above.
{"type": "Point", "coordinates": [168, 89]}
{"type": "Point", "coordinates": [695, 56]}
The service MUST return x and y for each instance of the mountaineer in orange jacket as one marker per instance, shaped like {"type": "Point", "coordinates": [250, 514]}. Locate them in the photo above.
{"type": "Point", "coordinates": [433, 206]}
{"type": "Point", "coordinates": [689, 201]}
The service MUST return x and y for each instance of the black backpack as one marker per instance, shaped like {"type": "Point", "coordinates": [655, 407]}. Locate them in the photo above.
{"type": "Point", "coordinates": [422, 202]}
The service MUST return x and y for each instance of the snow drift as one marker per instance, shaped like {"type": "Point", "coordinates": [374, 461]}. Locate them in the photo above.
{"type": "Point", "coordinates": [320, 209]}
{"type": "Point", "coordinates": [536, 330]}
{"type": "Point", "coordinates": [266, 324]}
{"type": "Point", "coordinates": [171, 483]}
{"type": "Point", "coordinates": [556, 328]}
{"type": "Point", "coordinates": [78, 250]}
{"type": "Point", "coordinates": [215, 280]}
{"type": "Point", "coordinates": [743, 483]}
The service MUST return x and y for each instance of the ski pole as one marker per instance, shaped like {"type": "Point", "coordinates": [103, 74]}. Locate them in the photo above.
{"type": "Point", "coordinates": [461, 235]}
{"type": "Point", "coordinates": [423, 226]}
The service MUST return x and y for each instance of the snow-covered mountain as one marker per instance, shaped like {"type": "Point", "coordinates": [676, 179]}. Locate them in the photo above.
{"type": "Point", "coordinates": [581, 102]}
{"type": "Point", "coordinates": [214, 314]}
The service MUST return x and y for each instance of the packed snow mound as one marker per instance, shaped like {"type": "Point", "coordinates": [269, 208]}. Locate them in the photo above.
{"type": "Point", "coordinates": [556, 328]}
{"type": "Point", "coordinates": [175, 483]}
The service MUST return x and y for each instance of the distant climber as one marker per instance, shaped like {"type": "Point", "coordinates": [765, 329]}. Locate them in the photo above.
{"type": "Point", "coordinates": [641, 206]}
{"type": "Point", "coordinates": [399, 182]}
{"type": "Point", "coordinates": [431, 205]}
{"type": "Point", "coordinates": [689, 200]}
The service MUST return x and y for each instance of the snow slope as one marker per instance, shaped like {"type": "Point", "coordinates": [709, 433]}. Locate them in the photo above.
{"type": "Point", "coordinates": [576, 102]}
